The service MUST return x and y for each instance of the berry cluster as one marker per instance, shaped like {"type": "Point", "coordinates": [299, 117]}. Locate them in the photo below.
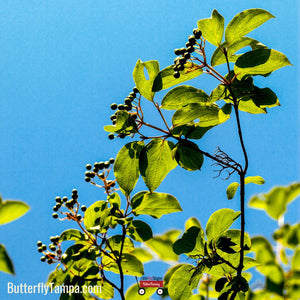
{"type": "Point", "coordinates": [54, 247]}
{"type": "Point", "coordinates": [127, 105]}
{"type": "Point", "coordinates": [185, 53]}
{"type": "Point", "coordinates": [100, 170]}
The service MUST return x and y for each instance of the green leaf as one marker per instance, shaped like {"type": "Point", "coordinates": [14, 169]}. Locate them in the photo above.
{"type": "Point", "coordinates": [182, 282]}
{"type": "Point", "coordinates": [209, 114]}
{"type": "Point", "coordinates": [6, 264]}
{"type": "Point", "coordinates": [133, 293]}
{"type": "Point", "coordinates": [139, 231]}
{"type": "Point", "coordinates": [275, 202]}
{"type": "Point", "coordinates": [154, 204]}
{"type": "Point", "coordinates": [93, 215]}
{"type": "Point", "coordinates": [245, 22]}
{"type": "Point", "coordinates": [182, 95]}
{"type": "Point", "coordinates": [11, 210]}
{"type": "Point", "coordinates": [259, 62]}
{"type": "Point", "coordinates": [192, 239]}
{"type": "Point", "coordinates": [219, 222]}
{"type": "Point", "coordinates": [296, 260]}
{"type": "Point", "coordinates": [126, 167]}
{"type": "Point", "coordinates": [71, 235]}
{"type": "Point", "coordinates": [106, 292]}
{"type": "Point", "coordinates": [213, 28]}
{"type": "Point", "coordinates": [165, 78]}
{"type": "Point", "coordinates": [155, 162]}
{"type": "Point", "coordinates": [192, 222]}
{"type": "Point", "coordinates": [254, 179]}
{"type": "Point", "coordinates": [219, 57]}
{"type": "Point", "coordinates": [263, 250]}
{"type": "Point", "coordinates": [143, 84]}
{"type": "Point", "coordinates": [125, 124]}
{"type": "Point", "coordinates": [142, 254]}
{"type": "Point", "coordinates": [188, 155]}
{"type": "Point", "coordinates": [116, 241]}
{"type": "Point", "coordinates": [162, 245]}
{"type": "Point", "coordinates": [114, 198]}
{"type": "Point", "coordinates": [231, 190]}
{"type": "Point", "coordinates": [192, 131]}
{"type": "Point", "coordinates": [129, 263]}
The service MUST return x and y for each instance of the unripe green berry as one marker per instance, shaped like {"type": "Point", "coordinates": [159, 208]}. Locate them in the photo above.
{"type": "Point", "coordinates": [114, 106]}
{"type": "Point", "coordinates": [111, 136]}
{"type": "Point", "coordinates": [55, 215]}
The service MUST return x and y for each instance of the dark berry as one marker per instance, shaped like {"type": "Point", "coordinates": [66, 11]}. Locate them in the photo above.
{"type": "Point", "coordinates": [100, 165]}
{"type": "Point", "coordinates": [181, 68]}
{"type": "Point", "coordinates": [197, 33]}
{"type": "Point", "coordinates": [83, 208]}
{"type": "Point", "coordinates": [58, 199]}
{"type": "Point", "coordinates": [192, 40]}
{"type": "Point", "coordinates": [177, 51]}
{"type": "Point", "coordinates": [134, 116]}
{"type": "Point", "coordinates": [182, 60]}
{"type": "Point", "coordinates": [55, 208]}
{"type": "Point", "coordinates": [95, 170]}
{"type": "Point", "coordinates": [190, 49]}
{"type": "Point", "coordinates": [40, 249]}
{"type": "Point", "coordinates": [128, 101]}
{"type": "Point", "coordinates": [114, 122]}
{"type": "Point", "coordinates": [111, 161]}
{"type": "Point", "coordinates": [113, 117]}
{"type": "Point", "coordinates": [176, 74]}
{"type": "Point", "coordinates": [79, 217]}
{"type": "Point", "coordinates": [182, 50]}
{"type": "Point", "coordinates": [135, 89]}
{"type": "Point", "coordinates": [74, 191]}
{"type": "Point", "coordinates": [39, 243]}
{"type": "Point", "coordinates": [120, 107]}
{"type": "Point", "coordinates": [114, 106]}
{"type": "Point", "coordinates": [88, 167]}
{"type": "Point", "coordinates": [44, 247]}
{"type": "Point", "coordinates": [52, 247]}
{"type": "Point", "coordinates": [188, 44]}
{"type": "Point", "coordinates": [65, 199]}
{"type": "Point", "coordinates": [111, 136]}
{"type": "Point", "coordinates": [127, 107]}
{"type": "Point", "coordinates": [187, 55]}
{"type": "Point", "coordinates": [101, 175]}
{"type": "Point", "coordinates": [52, 239]}
{"type": "Point", "coordinates": [87, 179]}
{"type": "Point", "coordinates": [106, 164]}
{"type": "Point", "coordinates": [55, 215]}
{"type": "Point", "coordinates": [49, 261]}
{"type": "Point", "coordinates": [176, 60]}
{"type": "Point", "coordinates": [122, 135]}
{"type": "Point", "coordinates": [133, 94]}
{"type": "Point", "coordinates": [175, 68]}
{"type": "Point", "coordinates": [43, 258]}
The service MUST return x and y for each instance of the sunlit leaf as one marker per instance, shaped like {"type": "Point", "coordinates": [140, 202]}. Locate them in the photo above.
{"type": "Point", "coordinates": [125, 124]}
{"type": "Point", "coordinates": [296, 260]}
{"type": "Point", "coordinates": [231, 190]}
{"type": "Point", "coordinates": [213, 28]}
{"type": "Point", "coordinates": [142, 254]}
{"type": "Point", "coordinates": [6, 264]}
{"type": "Point", "coordinates": [155, 162]}
{"type": "Point", "coordinates": [254, 179]}
{"type": "Point", "coordinates": [11, 210]}
{"type": "Point", "coordinates": [245, 22]}
{"type": "Point", "coordinates": [93, 215]}
{"type": "Point", "coordinates": [126, 167]}
{"type": "Point", "coordinates": [115, 242]}
{"type": "Point", "coordinates": [71, 235]}
{"type": "Point", "coordinates": [139, 231]}
{"type": "Point", "coordinates": [143, 84]}
{"type": "Point", "coordinates": [133, 293]}
{"type": "Point", "coordinates": [259, 62]}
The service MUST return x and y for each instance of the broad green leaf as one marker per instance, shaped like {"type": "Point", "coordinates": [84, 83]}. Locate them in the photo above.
{"type": "Point", "coordinates": [139, 231]}
{"type": "Point", "coordinates": [106, 291]}
{"type": "Point", "coordinates": [129, 263]}
{"type": "Point", "coordinates": [207, 287]}
{"type": "Point", "coordinates": [6, 264]}
{"type": "Point", "coordinates": [273, 272]}
{"type": "Point", "coordinates": [188, 155]}
{"type": "Point", "coordinates": [93, 215]}
{"type": "Point", "coordinates": [245, 22]}
{"type": "Point", "coordinates": [249, 263]}
{"type": "Point", "coordinates": [259, 62]}
{"type": "Point", "coordinates": [155, 162]}
{"type": "Point", "coordinates": [213, 28]}
{"type": "Point", "coordinates": [71, 235]}
{"type": "Point", "coordinates": [162, 245]}
{"type": "Point", "coordinates": [165, 78]}
{"type": "Point", "coordinates": [126, 167]}
{"type": "Point", "coordinates": [296, 260]}
{"type": "Point", "coordinates": [182, 282]}
{"type": "Point", "coordinates": [114, 198]}
{"type": "Point", "coordinates": [231, 190]}
{"type": "Point", "coordinates": [114, 243]}
{"type": "Point", "coordinates": [192, 222]}
{"type": "Point", "coordinates": [254, 179]}
{"type": "Point", "coordinates": [169, 274]}
{"type": "Point", "coordinates": [263, 250]}
{"type": "Point", "coordinates": [192, 131]}
{"type": "Point", "coordinates": [275, 202]}
{"type": "Point", "coordinates": [11, 210]}
{"type": "Point", "coordinates": [154, 204]}
{"type": "Point", "coordinates": [125, 124]}
{"type": "Point", "coordinates": [133, 293]}
{"type": "Point", "coordinates": [191, 243]}
{"type": "Point", "coordinates": [142, 254]}
{"type": "Point", "coordinates": [288, 236]}
{"type": "Point", "coordinates": [219, 222]}
{"type": "Point", "coordinates": [219, 58]}
{"type": "Point", "coordinates": [208, 114]}
{"type": "Point", "coordinates": [182, 95]}
{"type": "Point", "coordinates": [218, 93]}
{"type": "Point", "coordinates": [143, 84]}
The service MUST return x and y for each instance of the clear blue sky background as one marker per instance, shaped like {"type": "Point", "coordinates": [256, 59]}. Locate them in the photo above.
{"type": "Point", "coordinates": [61, 65]}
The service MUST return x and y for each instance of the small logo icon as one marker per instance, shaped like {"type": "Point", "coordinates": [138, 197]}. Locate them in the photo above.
{"type": "Point", "coordinates": [151, 282]}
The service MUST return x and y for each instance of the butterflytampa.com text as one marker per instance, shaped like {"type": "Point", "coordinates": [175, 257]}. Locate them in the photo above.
{"type": "Point", "coordinates": [45, 289]}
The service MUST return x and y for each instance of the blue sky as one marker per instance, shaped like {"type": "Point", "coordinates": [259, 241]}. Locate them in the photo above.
{"type": "Point", "coordinates": [64, 62]}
